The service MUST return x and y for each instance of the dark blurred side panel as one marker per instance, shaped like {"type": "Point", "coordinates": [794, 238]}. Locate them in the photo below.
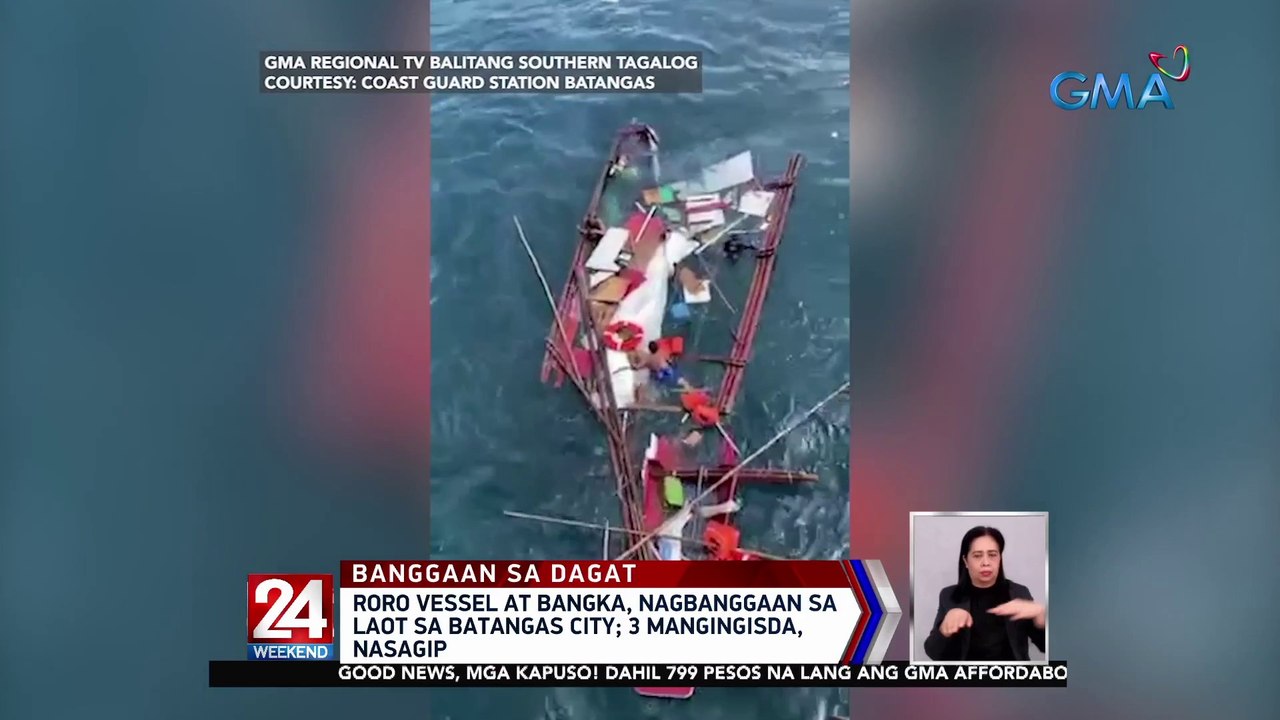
{"type": "Point", "coordinates": [1074, 311]}
{"type": "Point", "coordinates": [215, 343]}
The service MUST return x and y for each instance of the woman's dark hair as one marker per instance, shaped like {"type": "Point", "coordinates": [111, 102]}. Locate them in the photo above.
{"type": "Point", "coordinates": [964, 585]}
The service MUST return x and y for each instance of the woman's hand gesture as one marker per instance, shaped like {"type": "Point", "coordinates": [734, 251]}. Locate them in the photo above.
{"type": "Point", "coordinates": [955, 620]}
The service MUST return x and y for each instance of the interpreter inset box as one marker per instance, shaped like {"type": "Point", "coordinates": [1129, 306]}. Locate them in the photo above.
{"type": "Point", "coordinates": [979, 587]}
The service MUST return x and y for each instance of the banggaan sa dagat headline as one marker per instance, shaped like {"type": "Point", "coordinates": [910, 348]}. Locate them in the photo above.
{"type": "Point", "coordinates": [481, 72]}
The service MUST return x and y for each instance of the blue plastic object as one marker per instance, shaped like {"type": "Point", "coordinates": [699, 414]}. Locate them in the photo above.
{"type": "Point", "coordinates": [669, 376]}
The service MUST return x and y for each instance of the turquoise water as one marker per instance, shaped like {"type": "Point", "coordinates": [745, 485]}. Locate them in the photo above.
{"type": "Point", "coordinates": [776, 83]}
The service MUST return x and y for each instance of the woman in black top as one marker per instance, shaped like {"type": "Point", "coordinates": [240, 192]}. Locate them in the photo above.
{"type": "Point", "coordinates": [985, 616]}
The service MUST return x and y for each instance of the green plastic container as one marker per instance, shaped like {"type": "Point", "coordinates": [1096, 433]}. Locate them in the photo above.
{"type": "Point", "coordinates": [673, 491]}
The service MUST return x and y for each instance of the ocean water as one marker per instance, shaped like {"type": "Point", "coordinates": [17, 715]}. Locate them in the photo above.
{"type": "Point", "coordinates": [776, 82]}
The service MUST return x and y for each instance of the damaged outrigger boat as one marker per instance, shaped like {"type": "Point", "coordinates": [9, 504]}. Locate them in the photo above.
{"type": "Point", "coordinates": [650, 286]}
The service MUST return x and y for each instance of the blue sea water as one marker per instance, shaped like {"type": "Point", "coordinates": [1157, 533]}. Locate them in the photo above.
{"type": "Point", "coordinates": [776, 82]}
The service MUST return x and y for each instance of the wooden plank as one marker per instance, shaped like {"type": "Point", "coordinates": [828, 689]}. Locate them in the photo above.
{"type": "Point", "coordinates": [766, 475]}
{"type": "Point", "coordinates": [611, 290]}
{"type": "Point", "coordinates": [605, 255]}
{"type": "Point", "coordinates": [653, 407]}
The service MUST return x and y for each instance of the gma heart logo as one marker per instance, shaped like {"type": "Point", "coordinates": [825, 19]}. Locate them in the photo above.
{"type": "Point", "coordinates": [1186, 64]}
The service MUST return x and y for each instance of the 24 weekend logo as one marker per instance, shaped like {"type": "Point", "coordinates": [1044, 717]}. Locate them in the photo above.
{"type": "Point", "coordinates": [1155, 90]}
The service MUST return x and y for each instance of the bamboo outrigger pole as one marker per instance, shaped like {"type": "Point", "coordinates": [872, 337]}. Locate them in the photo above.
{"type": "Point", "coordinates": [609, 528]}
{"type": "Point", "coordinates": [546, 288]}
{"type": "Point", "coordinates": [737, 468]}
{"type": "Point", "coordinates": [566, 361]}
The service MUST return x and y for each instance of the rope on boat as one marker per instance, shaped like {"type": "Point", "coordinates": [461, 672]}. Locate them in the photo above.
{"type": "Point", "coordinates": [737, 468]}
{"type": "Point", "coordinates": [715, 286]}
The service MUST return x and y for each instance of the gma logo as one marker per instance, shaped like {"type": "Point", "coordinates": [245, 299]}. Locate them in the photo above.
{"type": "Point", "coordinates": [1154, 92]}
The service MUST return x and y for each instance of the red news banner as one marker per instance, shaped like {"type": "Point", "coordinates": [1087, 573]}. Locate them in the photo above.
{"type": "Point", "coordinates": [429, 623]}
{"type": "Point", "coordinates": [589, 574]}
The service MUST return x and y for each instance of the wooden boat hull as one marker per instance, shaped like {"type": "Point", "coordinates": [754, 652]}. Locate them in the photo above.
{"type": "Point", "coordinates": [642, 490]}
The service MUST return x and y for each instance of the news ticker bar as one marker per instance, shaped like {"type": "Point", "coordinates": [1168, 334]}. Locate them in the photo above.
{"type": "Point", "coordinates": [243, 673]}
